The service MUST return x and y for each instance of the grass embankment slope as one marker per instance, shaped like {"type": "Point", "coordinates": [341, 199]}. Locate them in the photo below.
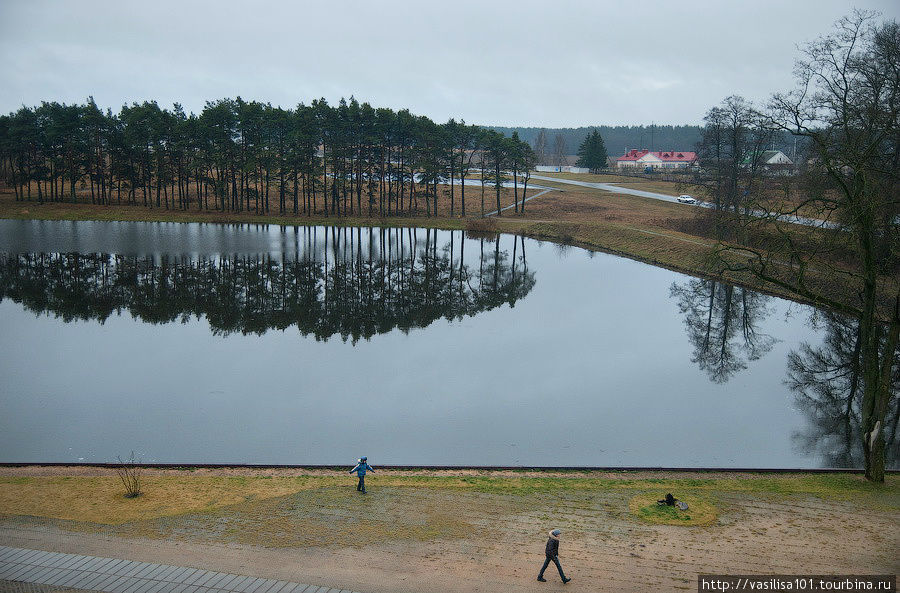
{"type": "Point", "coordinates": [452, 527]}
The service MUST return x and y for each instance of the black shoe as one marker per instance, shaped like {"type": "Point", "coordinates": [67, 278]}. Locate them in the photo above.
{"type": "Point", "coordinates": [542, 579]}
{"type": "Point", "coordinates": [565, 580]}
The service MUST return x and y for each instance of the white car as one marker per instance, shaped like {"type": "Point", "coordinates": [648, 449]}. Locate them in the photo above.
{"type": "Point", "coordinates": [686, 199]}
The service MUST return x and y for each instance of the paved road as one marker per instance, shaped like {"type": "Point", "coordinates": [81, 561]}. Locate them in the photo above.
{"type": "Point", "coordinates": [610, 187]}
{"type": "Point", "coordinates": [113, 575]}
{"type": "Point", "coordinates": [613, 188]}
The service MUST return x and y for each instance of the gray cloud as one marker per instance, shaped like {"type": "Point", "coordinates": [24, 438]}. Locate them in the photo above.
{"type": "Point", "coordinates": [510, 62]}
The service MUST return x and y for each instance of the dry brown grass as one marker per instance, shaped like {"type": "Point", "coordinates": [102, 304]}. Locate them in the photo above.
{"type": "Point", "coordinates": [100, 499]}
{"type": "Point", "coordinates": [584, 205]}
{"type": "Point", "coordinates": [92, 495]}
{"type": "Point", "coordinates": [84, 210]}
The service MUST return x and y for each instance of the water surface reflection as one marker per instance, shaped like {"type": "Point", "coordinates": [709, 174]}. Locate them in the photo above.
{"type": "Point", "coordinates": [827, 384]}
{"type": "Point", "coordinates": [723, 325]}
{"type": "Point", "coordinates": [164, 339]}
{"type": "Point", "coordinates": [353, 283]}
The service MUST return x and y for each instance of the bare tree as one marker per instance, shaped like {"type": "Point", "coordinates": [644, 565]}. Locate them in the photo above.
{"type": "Point", "coordinates": [540, 147]}
{"type": "Point", "coordinates": [732, 143]}
{"type": "Point", "coordinates": [847, 106]}
{"type": "Point", "coordinates": [559, 151]}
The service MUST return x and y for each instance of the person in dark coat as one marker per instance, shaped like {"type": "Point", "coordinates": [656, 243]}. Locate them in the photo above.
{"type": "Point", "coordinates": [552, 552]}
{"type": "Point", "coordinates": [360, 469]}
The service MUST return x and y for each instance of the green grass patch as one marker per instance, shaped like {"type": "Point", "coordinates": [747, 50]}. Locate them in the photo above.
{"type": "Point", "coordinates": [700, 511]}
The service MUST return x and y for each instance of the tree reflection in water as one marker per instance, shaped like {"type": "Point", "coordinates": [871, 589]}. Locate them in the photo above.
{"type": "Point", "coordinates": [351, 282]}
{"type": "Point", "coordinates": [827, 386]}
{"type": "Point", "coordinates": [721, 321]}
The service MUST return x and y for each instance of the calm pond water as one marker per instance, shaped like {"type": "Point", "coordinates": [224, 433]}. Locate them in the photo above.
{"type": "Point", "coordinates": [192, 343]}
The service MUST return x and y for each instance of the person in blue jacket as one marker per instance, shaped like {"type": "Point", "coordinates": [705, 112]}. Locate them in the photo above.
{"type": "Point", "coordinates": [360, 469]}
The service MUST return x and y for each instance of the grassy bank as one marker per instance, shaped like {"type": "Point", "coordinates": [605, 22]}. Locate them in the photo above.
{"type": "Point", "coordinates": [96, 496]}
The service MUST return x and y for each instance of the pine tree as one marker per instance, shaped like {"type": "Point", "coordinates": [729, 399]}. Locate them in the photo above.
{"type": "Point", "coordinates": [592, 152]}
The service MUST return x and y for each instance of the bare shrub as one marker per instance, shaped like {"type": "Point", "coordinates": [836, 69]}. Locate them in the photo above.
{"type": "Point", "coordinates": [129, 471]}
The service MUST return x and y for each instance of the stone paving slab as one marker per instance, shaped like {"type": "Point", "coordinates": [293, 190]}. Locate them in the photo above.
{"type": "Point", "coordinates": [26, 571]}
{"type": "Point", "coordinates": [20, 587]}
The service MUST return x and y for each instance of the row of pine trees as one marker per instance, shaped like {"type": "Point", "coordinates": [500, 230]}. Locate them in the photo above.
{"type": "Point", "coordinates": [247, 156]}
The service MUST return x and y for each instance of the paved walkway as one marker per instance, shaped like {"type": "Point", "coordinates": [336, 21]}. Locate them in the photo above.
{"type": "Point", "coordinates": [505, 208]}
{"type": "Point", "coordinates": [610, 187]}
{"type": "Point", "coordinates": [114, 575]}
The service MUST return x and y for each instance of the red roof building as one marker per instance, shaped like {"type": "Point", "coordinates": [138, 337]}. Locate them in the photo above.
{"type": "Point", "coordinates": [671, 159]}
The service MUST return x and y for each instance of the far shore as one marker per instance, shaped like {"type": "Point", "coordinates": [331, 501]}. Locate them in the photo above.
{"type": "Point", "coordinates": [655, 232]}
{"type": "Point", "coordinates": [108, 468]}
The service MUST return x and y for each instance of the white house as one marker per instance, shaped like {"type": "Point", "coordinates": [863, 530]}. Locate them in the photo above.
{"type": "Point", "coordinates": [666, 159]}
{"type": "Point", "coordinates": [773, 162]}
{"type": "Point", "coordinates": [775, 157]}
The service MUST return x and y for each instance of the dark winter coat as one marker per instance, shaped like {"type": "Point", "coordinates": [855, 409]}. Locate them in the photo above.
{"type": "Point", "coordinates": [552, 550]}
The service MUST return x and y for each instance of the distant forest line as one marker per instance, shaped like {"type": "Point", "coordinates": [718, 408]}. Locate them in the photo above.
{"type": "Point", "coordinates": [618, 139]}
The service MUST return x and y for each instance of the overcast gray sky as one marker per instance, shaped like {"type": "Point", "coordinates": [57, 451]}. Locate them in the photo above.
{"type": "Point", "coordinates": [553, 63]}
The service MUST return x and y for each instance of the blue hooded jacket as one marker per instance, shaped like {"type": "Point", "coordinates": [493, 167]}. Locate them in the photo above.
{"type": "Point", "coordinates": [361, 467]}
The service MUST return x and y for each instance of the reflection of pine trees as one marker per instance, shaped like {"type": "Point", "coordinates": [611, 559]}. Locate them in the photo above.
{"type": "Point", "coordinates": [721, 321]}
{"type": "Point", "coordinates": [349, 282]}
{"type": "Point", "coordinates": [827, 386]}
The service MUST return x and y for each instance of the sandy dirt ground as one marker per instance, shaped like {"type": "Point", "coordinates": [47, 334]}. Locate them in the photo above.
{"type": "Point", "coordinates": [434, 540]}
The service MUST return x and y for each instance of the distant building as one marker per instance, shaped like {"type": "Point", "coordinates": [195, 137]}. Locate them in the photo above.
{"type": "Point", "coordinates": [569, 166]}
{"type": "Point", "coordinates": [773, 162]}
{"type": "Point", "coordinates": [642, 159]}
{"type": "Point", "coordinates": [560, 169]}
{"type": "Point", "coordinates": [774, 157]}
